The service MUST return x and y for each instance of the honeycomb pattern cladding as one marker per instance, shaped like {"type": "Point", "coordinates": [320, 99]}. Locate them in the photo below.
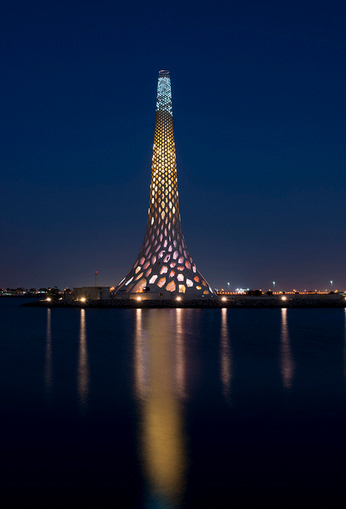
{"type": "Point", "coordinates": [164, 263]}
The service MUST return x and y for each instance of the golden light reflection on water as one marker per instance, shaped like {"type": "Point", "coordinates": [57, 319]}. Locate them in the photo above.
{"type": "Point", "coordinates": [225, 354]}
{"type": "Point", "coordinates": [48, 354]}
{"type": "Point", "coordinates": [83, 368]}
{"type": "Point", "coordinates": [345, 347]}
{"type": "Point", "coordinates": [286, 359]}
{"type": "Point", "coordinates": [159, 384]}
{"type": "Point", "coordinates": [140, 367]}
{"type": "Point", "coordinates": [180, 363]}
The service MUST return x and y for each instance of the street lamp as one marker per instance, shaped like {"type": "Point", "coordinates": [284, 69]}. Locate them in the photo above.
{"type": "Point", "coordinates": [331, 286]}
{"type": "Point", "coordinates": [274, 285]}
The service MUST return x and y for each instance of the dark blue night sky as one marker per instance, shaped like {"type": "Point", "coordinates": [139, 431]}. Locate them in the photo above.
{"type": "Point", "coordinates": [259, 104]}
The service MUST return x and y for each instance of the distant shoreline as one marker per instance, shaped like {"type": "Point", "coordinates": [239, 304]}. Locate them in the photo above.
{"type": "Point", "coordinates": [14, 296]}
{"type": "Point", "coordinates": [262, 302]}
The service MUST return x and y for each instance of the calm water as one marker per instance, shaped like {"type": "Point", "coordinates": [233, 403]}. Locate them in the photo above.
{"type": "Point", "coordinates": [172, 408]}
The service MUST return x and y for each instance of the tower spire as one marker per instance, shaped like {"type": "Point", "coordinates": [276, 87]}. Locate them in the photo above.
{"type": "Point", "coordinates": [164, 265]}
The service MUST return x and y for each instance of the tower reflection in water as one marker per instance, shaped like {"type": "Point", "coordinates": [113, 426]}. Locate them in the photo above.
{"type": "Point", "coordinates": [287, 364]}
{"type": "Point", "coordinates": [83, 367]}
{"type": "Point", "coordinates": [345, 346]}
{"type": "Point", "coordinates": [160, 387]}
{"type": "Point", "coordinates": [225, 356]}
{"type": "Point", "coordinates": [48, 355]}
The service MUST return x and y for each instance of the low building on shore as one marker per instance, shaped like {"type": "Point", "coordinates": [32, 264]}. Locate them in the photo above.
{"type": "Point", "coordinates": [91, 293]}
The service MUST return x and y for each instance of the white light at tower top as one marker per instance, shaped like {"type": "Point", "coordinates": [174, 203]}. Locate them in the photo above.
{"type": "Point", "coordinates": [164, 95]}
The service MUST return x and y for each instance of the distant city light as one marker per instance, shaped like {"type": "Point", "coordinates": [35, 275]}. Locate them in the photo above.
{"type": "Point", "coordinates": [178, 298]}
{"type": "Point", "coordinates": [283, 297]}
{"type": "Point", "coordinates": [139, 298]}
{"type": "Point", "coordinates": [49, 299]}
{"type": "Point", "coordinates": [83, 299]}
{"type": "Point", "coordinates": [223, 298]}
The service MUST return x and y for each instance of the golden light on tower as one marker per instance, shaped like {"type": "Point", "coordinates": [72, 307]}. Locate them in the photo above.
{"type": "Point", "coordinates": [164, 265]}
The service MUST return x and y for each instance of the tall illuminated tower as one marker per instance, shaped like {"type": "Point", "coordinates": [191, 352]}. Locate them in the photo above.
{"type": "Point", "coordinates": [164, 265]}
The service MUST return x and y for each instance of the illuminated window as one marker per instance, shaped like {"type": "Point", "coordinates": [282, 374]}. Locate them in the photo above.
{"type": "Point", "coordinates": [180, 277]}
{"type": "Point", "coordinates": [146, 265]}
{"type": "Point", "coordinates": [171, 286]}
{"type": "Point", "coordinates": [188, 264]}
{"type": "Point", "coordinates": [181, 259]}
{"type": "Point", "coordinates": [164, 270]}
{"type": "Point", "coordinates": [189, 282]}
{"type": "Point", "coordinates": [152, 280]}
{"type": "Point", "coordinates": [138, 269]}
{"type": "Point", "coordinates": [182, 288]}
{"type": "Point", "coordinates": [175, 255]}
{"type": "Point", "coordinates": [128, 282]}
{"type": "Point", "coordinates": [161, 282]}
{"type": "Point", "coordinates": [180, 267]}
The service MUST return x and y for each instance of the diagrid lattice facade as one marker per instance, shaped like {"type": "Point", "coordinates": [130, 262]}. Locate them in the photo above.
{"type": "Point", "coordinates": [164, 266]}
